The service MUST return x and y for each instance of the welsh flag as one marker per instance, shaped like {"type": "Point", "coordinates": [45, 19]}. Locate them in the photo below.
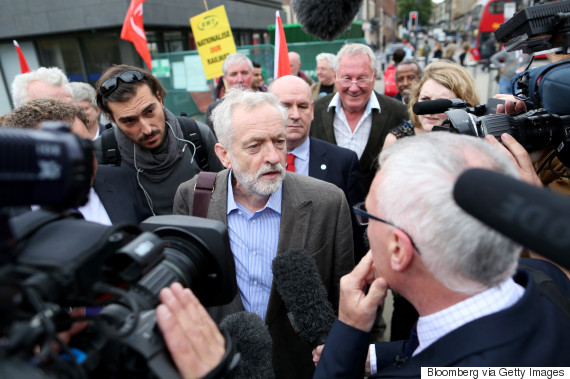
{"type": "Point", "coordinates": [23, 63]}
{"type": "Point", "coordinates": [133, 31]}
{"type": "Point", "coordinates": [281, 60]}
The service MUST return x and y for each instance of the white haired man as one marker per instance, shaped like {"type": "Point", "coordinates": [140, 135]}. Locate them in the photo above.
{"type": "Point", "coordinates": [85, 97]}
{"type": "Point", "coordinates": [326, 63]}
{"type": "Point", "coordinates": [357, 117]}
{"type": "Point", "coordinates": [476, 308]}
{"type": "Point", "coordinates": [269, 211]}
{"type": "Point", "coordinates": [45, 82]}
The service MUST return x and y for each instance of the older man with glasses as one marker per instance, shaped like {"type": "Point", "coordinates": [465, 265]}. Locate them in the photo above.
{"type": "Point", "coordinates": [357, 117]}
{"type": "Point", "coordinates": [478, 304]}
{"type": "Point", "coordinates": [163, 150]}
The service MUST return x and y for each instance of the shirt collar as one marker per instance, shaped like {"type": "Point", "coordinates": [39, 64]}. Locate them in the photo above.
{"type": "Point", "coordinates": [432, 327]}
{"type": "Point", "coordinates": [302, 151]}
{"type": "Point", "coordinates": [273, 203]}
{"type": "Point", "coordinates": [371, 104]}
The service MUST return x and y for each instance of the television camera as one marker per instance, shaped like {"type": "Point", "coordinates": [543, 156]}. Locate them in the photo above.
{"type": "Point", "coordinates": [545, 90]}
{"type": "Point", "coordinates": [51, 261]}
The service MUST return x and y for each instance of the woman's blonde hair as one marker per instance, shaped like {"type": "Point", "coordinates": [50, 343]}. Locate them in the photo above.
{"type": "Point", "coordinates": [451, 76]}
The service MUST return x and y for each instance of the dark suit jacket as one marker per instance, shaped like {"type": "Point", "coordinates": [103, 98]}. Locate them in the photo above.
{"type": "Point", "coordinates": [118, 191]}
{"type": "Point", "coordinates": [532, 332]}
{"type": "Point", "coordinates": [117, 188]}
{"type": "Point", "coordinates": [392, 113]}
{"type": "Point", "coordinates": [315, 217]}
{"type": "Point", "coordinates": [340, 166]}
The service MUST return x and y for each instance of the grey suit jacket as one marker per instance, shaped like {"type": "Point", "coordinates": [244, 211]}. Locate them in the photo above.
{"type": "Point", "coordinates": [392, 113]}
{"type": "Point", "coordinates": [314, 216]}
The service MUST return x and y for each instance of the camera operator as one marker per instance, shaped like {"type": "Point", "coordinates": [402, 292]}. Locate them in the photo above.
{"type": "Point", "coordinates": [440, 80]}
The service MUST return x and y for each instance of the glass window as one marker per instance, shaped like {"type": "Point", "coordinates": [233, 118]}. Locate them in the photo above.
{"type": "Point", "coordinates": [62, 52]}
{"type": "Point", "coordinates": [100, 51]}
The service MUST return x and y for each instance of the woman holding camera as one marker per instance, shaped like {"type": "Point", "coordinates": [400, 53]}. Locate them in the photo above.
{"type": "Point", "coordinates": [440, 80]}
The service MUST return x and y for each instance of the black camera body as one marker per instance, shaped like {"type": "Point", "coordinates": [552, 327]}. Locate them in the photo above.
{"type": "Point", "coordinates": [545, 90]}
{"type": "Point", "coordinates": [54, 261]}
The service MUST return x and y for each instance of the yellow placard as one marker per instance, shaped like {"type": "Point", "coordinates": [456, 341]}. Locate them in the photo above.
{"type": "Point", "coordinates": [214, 39]}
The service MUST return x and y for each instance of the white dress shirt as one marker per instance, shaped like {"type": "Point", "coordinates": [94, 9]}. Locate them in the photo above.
{"type": "Point", "coordinates": [345, 137]}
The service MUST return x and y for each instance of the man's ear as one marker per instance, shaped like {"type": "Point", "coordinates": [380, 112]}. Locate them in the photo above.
{"type": "Point", "coordinates": [223, 155]}
{"type": "Point", "coordinates": [110, 117]}
{"type": "Point", "coordinates": [401, 250]}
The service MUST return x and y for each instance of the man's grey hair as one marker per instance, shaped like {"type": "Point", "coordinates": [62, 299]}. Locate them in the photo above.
{"type": "Point", "coordinates": [222, 115]}
{"type": "Point", "coordinates": [351, 49]}
{"type": "Point", "coordinates": [81, 91]}
{"type": "Point", "coordinates": [330, 58]}
{"type": "Point", "coordinates": [410, 61]}
{"type": "Point", "coordinates": [50, 75]}
{"type": "Point", "coordinates": [234, 59]}
{"type": "Point", "coordinates": [416, 193]}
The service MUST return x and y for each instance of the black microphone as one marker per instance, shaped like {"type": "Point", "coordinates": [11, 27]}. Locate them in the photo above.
{"type": "Point", "coordinates": [325, 19]}
{"type": "Point", "coordinates": [253, 341]}
{"type": "Point", "coordinates": [297, 280]}
{"type": "Point", "coordinates": [531, 216]}
{"type": "Point", "coordinates": [437, 106]}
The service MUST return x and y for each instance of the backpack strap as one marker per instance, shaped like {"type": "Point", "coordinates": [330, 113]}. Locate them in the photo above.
{"type": "Point", "coordinates": [548, 288]}
{"type": "Point", "coordinates": [110, 148]}
{"type": "Point", "coordinates": [191, 132]}
{"type": "Point", "coordinates": [202, 191]}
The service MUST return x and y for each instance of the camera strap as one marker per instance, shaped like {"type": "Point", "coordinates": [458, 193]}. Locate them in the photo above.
{"type": "Point", "coordinates": [203, 189]}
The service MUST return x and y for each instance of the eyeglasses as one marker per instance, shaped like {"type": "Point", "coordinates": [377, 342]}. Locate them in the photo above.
{"type": "Point", "coordinates": [111, 84]}
{"type": "Point", "coordinates": [363, 218]}
{"type": "Point", "coordinates": [361, 83]}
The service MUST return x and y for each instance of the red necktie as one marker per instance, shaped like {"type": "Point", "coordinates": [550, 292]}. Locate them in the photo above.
{"type": "Point", "coordinates": [291, 162]}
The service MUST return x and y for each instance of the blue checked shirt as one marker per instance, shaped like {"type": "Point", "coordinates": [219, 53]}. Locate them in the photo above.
{"type": "Point", "coordinates": [254, 239]}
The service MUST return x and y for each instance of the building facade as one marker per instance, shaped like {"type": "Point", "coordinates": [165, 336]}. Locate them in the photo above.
{"type": "Point", "coordinates": [82, 37]}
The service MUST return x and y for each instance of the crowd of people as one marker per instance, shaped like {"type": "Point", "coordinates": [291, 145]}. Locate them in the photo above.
{"type": "Point", "coordinates": [325, 166]}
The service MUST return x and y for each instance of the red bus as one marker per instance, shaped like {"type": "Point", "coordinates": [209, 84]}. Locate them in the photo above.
{"type": "Point", "coordinates": [486, 17]}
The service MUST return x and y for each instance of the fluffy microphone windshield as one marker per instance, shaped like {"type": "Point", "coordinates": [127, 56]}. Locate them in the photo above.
{"type": "Point", "coordinates": [253, 342]}
{"type": "Point", "coordinates": [297, 280]}
{"type": "Point", "coordinates": [326, 19]}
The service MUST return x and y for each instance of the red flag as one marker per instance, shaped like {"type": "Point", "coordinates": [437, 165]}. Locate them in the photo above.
{"type": "Point", "coordinates": [281, 60]}
{"type": "Point", "coordinates": [23, 64]}
{"type": "Point", "coordinates": [133, 30]}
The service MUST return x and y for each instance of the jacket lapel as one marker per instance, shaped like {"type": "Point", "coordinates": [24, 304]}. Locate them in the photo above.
{"type": "Point", "coordinates": [318, 161]}
{"type": "Point", "coordinates": [293, 232]}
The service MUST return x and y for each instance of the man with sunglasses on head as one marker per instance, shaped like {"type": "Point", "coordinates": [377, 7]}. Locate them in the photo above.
{"type": "Point", "coordinates": [476, 307]}
{"type": "Point", "coordinates": [162, 149]}
{"type": "Point", "coordinates": [357, 117]}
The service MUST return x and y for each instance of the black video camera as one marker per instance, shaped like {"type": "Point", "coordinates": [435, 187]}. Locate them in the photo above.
{"type": "Point", "coordinates": [545, 90]}
{"type": "Point", "coordinates": [53, 261]}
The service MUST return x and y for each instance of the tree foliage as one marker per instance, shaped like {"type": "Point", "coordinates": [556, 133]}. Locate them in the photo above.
{"type": "Point", "coordinates": [424, 8]}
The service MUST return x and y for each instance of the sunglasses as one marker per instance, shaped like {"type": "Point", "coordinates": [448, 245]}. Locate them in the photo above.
{"type": "Point", "coordinates": [111, 84]}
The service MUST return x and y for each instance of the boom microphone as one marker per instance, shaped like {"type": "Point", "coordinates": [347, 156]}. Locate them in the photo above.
{"type": "Point", "coordinates": [253, 341]}
{"type": "Point", "coordinates": [297, 280]}
{"type": "Point", "coordinates": [326, 19]}
{"type": "Point", "coordinates": [533, 217]}
{"type": "Point", "coordinates": [437, 106]}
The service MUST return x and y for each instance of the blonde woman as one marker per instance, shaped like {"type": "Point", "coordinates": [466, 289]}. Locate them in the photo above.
{"type": "Point", "coordinates": [440, 80]}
